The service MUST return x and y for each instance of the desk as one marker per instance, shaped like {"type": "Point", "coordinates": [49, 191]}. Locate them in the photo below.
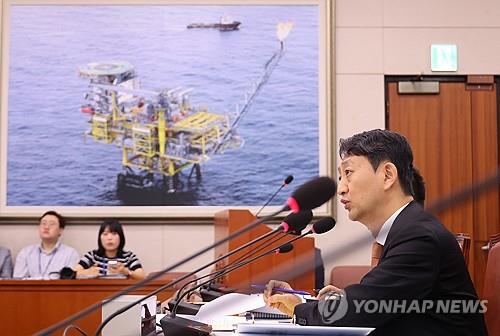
{"type": "Point", "coordinates": [281, 329]}
{"type": "Point", "coordinates": [49, 301]}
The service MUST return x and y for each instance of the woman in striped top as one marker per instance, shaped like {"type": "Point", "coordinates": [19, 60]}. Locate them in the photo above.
{"type": "Point", "coordinates": [110, 258]}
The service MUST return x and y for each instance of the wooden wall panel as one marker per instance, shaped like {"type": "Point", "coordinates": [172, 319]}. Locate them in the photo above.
{"type": "Point", "coordinates": [485, 164]}
{"type": "Point", "coordinates": [438, 128]}
{"type": "Point", "coordinates": [454, 137]}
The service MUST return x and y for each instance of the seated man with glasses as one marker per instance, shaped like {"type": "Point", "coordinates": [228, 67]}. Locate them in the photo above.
{"type": "Point", "coordinates": [46, 259]}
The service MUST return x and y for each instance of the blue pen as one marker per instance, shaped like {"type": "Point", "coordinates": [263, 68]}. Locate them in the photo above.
{"type": "Point", "coordinates": [282, 290]}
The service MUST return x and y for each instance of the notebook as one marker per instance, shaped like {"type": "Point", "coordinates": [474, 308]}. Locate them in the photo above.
{"type": "Point", "coordinates": [268, 313]}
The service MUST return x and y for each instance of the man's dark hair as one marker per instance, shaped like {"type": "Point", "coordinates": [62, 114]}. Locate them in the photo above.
{"type": "Point", "coordinates": [62, 221]}
{"type": "Point", "coordinates": [114, 226]}
{"type": "Point", "coordinates": [418, 187]}
{"type": "Point", "coordinates": [381, 145]}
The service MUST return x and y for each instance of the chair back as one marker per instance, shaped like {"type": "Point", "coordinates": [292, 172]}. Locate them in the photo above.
{"type": "Point", "coordinates": [463, 241]}
{"type": "Point", "coordinates": [493, 240]}
{"type": "Point", "coordinates": [345, 275]}
{"type": "Point", "coordinates": [491, 291]}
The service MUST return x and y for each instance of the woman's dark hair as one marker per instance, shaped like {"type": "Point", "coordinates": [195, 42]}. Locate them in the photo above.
{"type": "Point", "coordinates": [114, 226]}
{"type": "Point", "coordinates": [62, 221]}
{"type": "Point", "coordinates": [380, 145]}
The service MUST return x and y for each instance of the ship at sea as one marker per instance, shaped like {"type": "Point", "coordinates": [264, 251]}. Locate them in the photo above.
{"type": "Point", "coordinates": [225, 24]}
{"type": "Point", "coordinates": [163, 138]}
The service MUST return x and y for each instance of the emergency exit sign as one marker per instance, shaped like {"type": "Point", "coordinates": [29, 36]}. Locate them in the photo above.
{"type": "Point", "coordinates": [444, 57]}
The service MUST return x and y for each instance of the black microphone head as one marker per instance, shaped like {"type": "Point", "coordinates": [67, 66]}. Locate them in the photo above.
{"type": "Point", "coordinates": [67, 273]}
{"type": "Point", "coordinates": [296, 222]}
{"type": "Point", "coordinates": [323, 225]}
{"type": "Point", "coordinates": [288, 180]}
{"type": "Point", "coordinates": [285, 248]}
{"type": "Point", "coordinates": [312, 194]}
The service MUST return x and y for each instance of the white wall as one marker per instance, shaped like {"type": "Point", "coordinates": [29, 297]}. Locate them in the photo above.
{"type": "Point", "coordinates": [373, 38]}
{"type": "Point", "coordinates": [156, 246]}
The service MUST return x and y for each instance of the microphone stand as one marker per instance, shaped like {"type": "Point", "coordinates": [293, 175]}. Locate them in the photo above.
{"type": "Point", "coordinates": [309, 196]}
{"type": "Point", "coordinates": [298, 216]}
{"type": "Point", "coordinates": [141, 283]}
{"type": "Point", "coordinates": [295, 223]}
{"type": "Point", "coordinates": [230, 253]}
{"type": "Point", "coordinates": [270, 199]}
{"type": "Point", "coordinates": [253, 252]}
{"type": "Point", "coordinates": [235, 266]}
{"type": "Point", "coordinates": [130, 305]}
{"type": "Point", "coordinates": [173, 325]}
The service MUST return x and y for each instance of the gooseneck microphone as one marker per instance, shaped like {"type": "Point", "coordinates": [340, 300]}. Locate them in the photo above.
{"type": "Point", "coordinates": [192, 309]}
{"type": "Point", "coordinates": [312, 194]}
{"type": "Point", "coordinates": [292, 223]}
{"type": "Point", "coordinates": [299, 200]}
{"type": "Point", "coordinates": [295, 224]}
{"type": "Point", "coordinates": [286, 182]}
{"type": "Point", "coordinates": [321, 226]}
{"type": "Point", "coordinates": [288, 247]}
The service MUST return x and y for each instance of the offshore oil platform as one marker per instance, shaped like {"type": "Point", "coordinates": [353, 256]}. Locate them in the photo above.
{"type": "Point", "coordinates": [160, 133]}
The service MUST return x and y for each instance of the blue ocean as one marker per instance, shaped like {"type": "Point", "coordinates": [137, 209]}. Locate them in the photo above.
{"type": "Point", "coordinates": [48, 161]}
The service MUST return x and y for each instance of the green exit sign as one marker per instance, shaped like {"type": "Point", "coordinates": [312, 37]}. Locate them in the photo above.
{"type": "Point", "coordinates": [444, 57]}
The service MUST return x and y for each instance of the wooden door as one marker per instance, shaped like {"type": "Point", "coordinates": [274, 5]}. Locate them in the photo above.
{"type": "Point", "coordinates": [454, 136]}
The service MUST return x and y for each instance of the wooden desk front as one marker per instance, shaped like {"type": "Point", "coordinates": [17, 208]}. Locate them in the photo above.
{"type": "Point", "coordinates": [28, 306]}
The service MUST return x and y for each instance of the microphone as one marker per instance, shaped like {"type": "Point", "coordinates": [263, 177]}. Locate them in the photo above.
{"type": "Point", "coordinates": [288, 247]}
{"type": "Point", "coordinates": [298, 200]}
{"type": "Point", "coordinates": [287, 181]}
{"type": "Point", "coordinates": [293, 222]}
{"type": "Point", "coordinates": [209, 293]}
{"type": "Point", "coordinates": [187, 326]}
{"type": "Point", "coordinates": [67, 273]}
{"type": "Point", "coordinates": [321, 226]}
{"type": "Point", "coordinates": [173, 325]}
{"type": "Point", "coordinates": [312, 194]}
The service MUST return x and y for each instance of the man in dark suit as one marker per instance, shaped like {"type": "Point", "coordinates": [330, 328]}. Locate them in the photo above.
{"type": "Point", "coordinates": [420, 284]}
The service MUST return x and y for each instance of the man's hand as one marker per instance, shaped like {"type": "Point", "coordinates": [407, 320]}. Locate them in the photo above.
{"type": "Point", "coordinates": [281, 301]}
{"type": "Point", "coordinates": [323, 293]}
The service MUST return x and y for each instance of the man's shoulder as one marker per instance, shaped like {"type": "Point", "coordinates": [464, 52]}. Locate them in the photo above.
{"type": "Point", "coordinates": [67, 249]}
{"type": "Point", "coordinates": [414, 220]}
{"type": "Point", "coordinates": [29, 248]}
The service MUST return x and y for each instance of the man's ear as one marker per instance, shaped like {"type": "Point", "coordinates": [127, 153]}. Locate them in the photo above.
{"type": "Point", "coordinates": [390, 174]}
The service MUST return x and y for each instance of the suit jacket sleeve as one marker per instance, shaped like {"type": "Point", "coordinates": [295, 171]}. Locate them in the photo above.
{"type": "Point", "coordinates": [407, 270]}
